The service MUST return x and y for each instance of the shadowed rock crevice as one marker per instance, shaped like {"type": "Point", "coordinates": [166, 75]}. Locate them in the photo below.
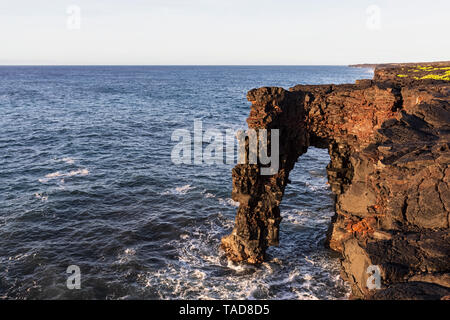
{"type": "Point", "coordinates": [389, 145]}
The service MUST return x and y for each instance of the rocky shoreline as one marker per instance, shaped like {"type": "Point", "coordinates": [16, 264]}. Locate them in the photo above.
{"type": "Point", "coordinates": [389, 144]}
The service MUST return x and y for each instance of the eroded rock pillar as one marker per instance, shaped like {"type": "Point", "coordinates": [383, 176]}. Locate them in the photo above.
{"type": "Point", "coordinates": [258, 217]}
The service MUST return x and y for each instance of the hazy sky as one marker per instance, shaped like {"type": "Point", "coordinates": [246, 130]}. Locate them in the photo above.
{"type": "Point", "coordinates": [223, 32]}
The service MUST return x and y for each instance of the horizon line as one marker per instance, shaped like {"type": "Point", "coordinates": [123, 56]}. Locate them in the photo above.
{"type": "Point", "coordinates": [368, 64]}
{"type": "Point", "coordinates": [175, 65]}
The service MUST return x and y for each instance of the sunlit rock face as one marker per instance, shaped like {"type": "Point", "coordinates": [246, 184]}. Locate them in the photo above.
{"type": "Point", "coordinates": [389, 144]}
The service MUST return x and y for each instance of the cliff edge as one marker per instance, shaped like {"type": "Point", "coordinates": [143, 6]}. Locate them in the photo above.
{"type": "Point", "coordinates": [389, 144]}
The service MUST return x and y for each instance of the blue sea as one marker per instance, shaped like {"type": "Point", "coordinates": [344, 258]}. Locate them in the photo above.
{"type": "Point", "coordinates": [86, 179]}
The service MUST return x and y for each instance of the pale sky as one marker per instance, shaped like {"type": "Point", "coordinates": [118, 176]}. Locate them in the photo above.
{"type": "Point", "coordinates": [210, 32]}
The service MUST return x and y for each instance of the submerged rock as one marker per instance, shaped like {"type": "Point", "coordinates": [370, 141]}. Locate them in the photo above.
{"type": "Point", "coordinates": [389, 144]}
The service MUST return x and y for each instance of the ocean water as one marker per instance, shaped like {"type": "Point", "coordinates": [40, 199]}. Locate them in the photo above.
{"type": "Point", "coordinates": [86, 179]}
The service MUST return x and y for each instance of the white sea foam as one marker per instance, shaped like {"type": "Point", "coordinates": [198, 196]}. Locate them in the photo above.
{"type": "Point", "coordinates": [54, 175]}
{"type": "Point", "coordinates": [179, 190]}
{"type": "Point", "coordinates": [309, 260]}
{"type": "Point", "coordinates": [283, 277]}
{"type": "Point", "coordinates": [80, 172]}
{"type": "Point", "coordinates": [184, 236]}
{"type": "Point", "coordinates": [22, 256]}
{"type": "Point", "coordinates": [295, 217]}
{"type": "Point", "coordinates": [307, 277]}
{"type": "Point", "coordinates": [68, 160]}
{"type": "Point", "coordinates": [238, 267]}
{"type": "Point", "coordinates": [304, 218]}
{"type": "Point", "coordinates": [317, 187]}
{"type": "Point", "coordinates": [302, 295]}
{"type": "Point", "coordinates": [41, 197]}
{"type": "Point", "coordinates": [126, 256]}
{"type": "Point", "coordinates": [58, 174]}
{"type": "Point", "coordinates": [183, 189]}
{"type": "Point", "coordinates": [228, 202]}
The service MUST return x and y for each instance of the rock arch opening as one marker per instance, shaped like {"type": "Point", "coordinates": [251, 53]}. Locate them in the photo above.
{"type": "Point", "coordinates": [258, 217]}
{"type": "Point", "coordinates": [308, 203]}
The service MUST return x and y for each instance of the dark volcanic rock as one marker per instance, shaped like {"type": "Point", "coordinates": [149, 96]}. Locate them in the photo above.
{"type": "Point", "coordinates": [389, 144]}
{"type": "Point", "coordinates": [412, 291]}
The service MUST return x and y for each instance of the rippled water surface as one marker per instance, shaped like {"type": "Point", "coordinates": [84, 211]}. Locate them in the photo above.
{"type": "Point", "coordinates": [86, 179]}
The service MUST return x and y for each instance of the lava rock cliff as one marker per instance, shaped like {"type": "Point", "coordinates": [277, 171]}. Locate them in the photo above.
{"type": "Point", "coordinates": [389, 144]}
